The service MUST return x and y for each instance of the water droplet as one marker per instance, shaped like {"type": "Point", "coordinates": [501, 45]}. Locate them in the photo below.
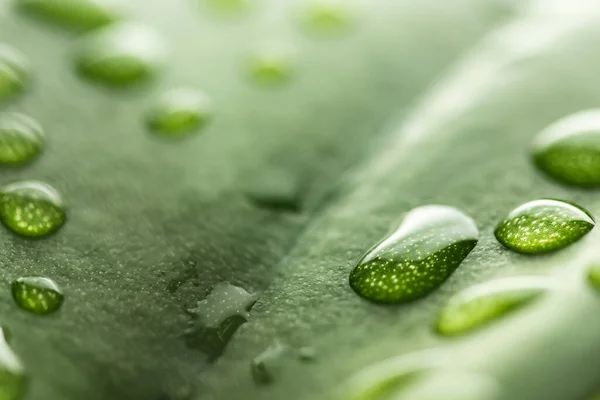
{"type": "Point", "coordinates": [71, 14]}
{"type": "Point", "coordinates": [486, 302]}
{"type": "Point", "coordinates": [21, 139]}
{"type": "Point", "coordinates": [14, 72]}
{"type": "Point", "coordinates": [271, 67]}
{"type": "Point", "coordinates": [428, 246]}
{"type": "Point", "coordinates": [179, 113]}
{"type": "Point", "coordinates": [569, 150]}
{"type": "Point", "coordinates": [12, 374]}
{"type": "Point", "coordinates": [307, 354]}
{"type": "Point", "coordinates": [120, 55]}
{"type": "Point", "coordinates": [594, 275]}
{"type": "Point", "coordinates": [37, 294]}
{"type": "Point", "coordinates": [542, 226]}
{"type": "Point", "coordinates": [276, 189]}
{"type": "Point", "coordinates": [217, 318]}
{"type": "Point", "coordinates": [267, 364]}
{"type": "Point", "coordinates": [31, 208]}
{"type": "Point", "coordinates": [328, 17]}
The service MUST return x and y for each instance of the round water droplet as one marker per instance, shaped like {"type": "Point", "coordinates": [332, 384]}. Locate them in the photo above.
{"type": "Point", "coordinates": [542, 226]}
{"type": "Point", "coordinates": [271, 67]}
{"type": "Point", "coordinates": [71, 14]}
{"type": "Point", "coordinates": [328, 17]}
{"type": "Point", "coordinates": [569, 150]}
{"type": "Point", "coordinates": [486, 302]}
{"type": "Point", "coordinates": [429, 245]}
{"type": "Point", "coordinates": [33, 209]}
{"type": "Point", "coordinates": [37, 294]}
{"type": "Point", "coordinates": [120, 55]}
{"type": "Point", "coordinates": [14, 72]}
{"type": "Point", "coordinates": [12, 373]}
{"type": "Point", "coordinates": [179, 113]}
{"type": "Point", "coordinates": [21, 139]}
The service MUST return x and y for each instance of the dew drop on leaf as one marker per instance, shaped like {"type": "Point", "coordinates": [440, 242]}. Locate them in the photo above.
{"type": "Point", "coordinates": [13, 379]}
{"type": "Point", "coordinates": [265, 367]}
{"type": "Point", "coordinates": [307, 354]}
{"type": "Point", "coordinates": [14, 72]}
{"type": "Point", "coordinates": [569, 149]}
{"type": "Point", "coordinates": [21, 139]}
{"type": "Point", "coordinates": [275, 189]}
{"type": "Point", "coordinates": [481, 304]}
{"type": "Point", "coordinates": [414, 260]}
{"type": "Point", "coordinates": [542, 226]}
{"type": "Point", "coordinates": [328, 17]}
{"type": "Point", "coordinates": [120, 55]}
{"type": "Point", "coordinates": [31, 208]}
{"type": "Point", "coordinates": [271, 67]}
{"type": "Point", "coordinates": [78, 15]}
{"type": "Point", "coordinates": [593, 275]}
{"type": "Point", "coordinates": [179, 113]}
{"type": "Point", "coordinates": [37, 294]}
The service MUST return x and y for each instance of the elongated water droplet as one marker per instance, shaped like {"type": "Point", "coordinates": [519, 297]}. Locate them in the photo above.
{"type": "Point", "coordinates": [542, 226]}
{"type": "Point", "coordinates": [12, 374]}
{"type": "Point", "coordinates": [179, 113]}
{"type": "Point", "coordinates": [217, 318]}
{"type": "Point", "coordinates": [271, 67]}
{"type": "Point", "coordinates": [72, 14]}
{"type": "Point", "coordinates": [569, 150]}
{"type": "Point", "coordinates": [37, 294]}
{"type": "Point", "coordinates": [21, 139]}
{"type": "Point", "coordinates": [328, 17]}
{"type": "Point", "coordinates": [14, 72]}
{"type": "Point", "coordinates": [486, 302]}
{"type": "Point", "coordinates": [265, 367]}
{"type": "Point", "coordinates": [429, 245]}
{"type": "Point", "coordinates": [120, 55]}
{"type": "Point", "coordinates": [31, 208]}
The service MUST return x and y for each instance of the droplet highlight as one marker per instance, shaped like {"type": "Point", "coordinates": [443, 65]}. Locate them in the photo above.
{"type": "Point", "coordinates": [328, 17]}
{"type": "Point", "coordinates": [21, 139]}
{"type": "Point", "coordinates": [568, 151]}
{"type": "Point", "coordinates": [543, 226]}
{"type": "Point", "coordinates": [13, 379]}
{"type": "Point", "coordinates": [179, 113]}
{"type": "Point", "coordinates": [430, 243]}
{"type": "Point", "coordinates": [37, 294]}
{"type": "Point", "coordinates": [482, 304]}
{"type": "Point", "coordinates": [120, 55]}
{"type": "Point", "coordinates": [14, 72]}
{"type": "Point", "coordinates": [79, 15]}
{"type": "Point", "coordinates": [31, 208]}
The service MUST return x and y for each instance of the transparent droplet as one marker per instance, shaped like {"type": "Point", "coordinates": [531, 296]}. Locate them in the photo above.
{"type": "Point", "coordinates": [21, 139]}
{"type": "Point", "coordinates": [180, 112]}
{"type": "Point", "coordinates": [31, 208]}
{"type": "Point", "coordinates": [72, 14]}
{"type": "Point", "coordinates": [120, 55]}
{"type": "Point", "coordinates": [271, 67]}
{"type": "Point", "coordinates": [37, 294]}
{"type": "Point", "coordinates": [265, 367]}
{"type": "Point", "coordinates": [13, 379]}
{"type": "Point", "coordinates": [489, 301]}
{"type": "Point", "coordinates": [328, 17]}
{"type": "Point", "coordinates": [569, 150]}
{"type": "Point", "coordinates": [276, 189]}
{"type": "Point", "coordinates": [14, 72]}
{"type": "Point", "coordinates": [414, 260]}
{"type": "Point", "coordinates": [217, 318]}
{"type": "Point", "coordinates": [307, 354]}
{"type": "Point", "coordinates": [542, 226]}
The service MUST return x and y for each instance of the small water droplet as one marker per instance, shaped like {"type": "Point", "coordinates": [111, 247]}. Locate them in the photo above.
{"type": "Point", "coordinates": [328, 17]}
{"type": "Point", "coordinates": [37, 294]}
{"type": "Point", "coordinates": [120, 55]}
{"type": "Point", "coordinates": [179, 113]}
{"type": "Point", "coordinates": [427, 247]}
{"type": "Point", "coordinates": [307, 354]}
{"type": "Point", "coordinates": [217, 318]}
{"type": "Point", "coordinates": [486, 302]}
{"type": "Point", "coordinates": [569, 149]}
{"type": "Point", "coordinates": [14, 72]}
{"type": "Point", "coordinates": [21, 139]}
{"type": "Point", "coordinates": [271, 67]}
{"type": "Point", "coordinates": [12, 373]}
{"type": "Point", "coordinates": [542, 226]}
{"type": "Point", "coordinates": [276, 189]}
{"type": "Point", "coordinates": [71, 14]}
{"type": "Point", "coordinates": [31, 208]}
{"type": "Point", "coordinates": [594, 275]}
{"type": "Point", "coordinates": [267, 364]}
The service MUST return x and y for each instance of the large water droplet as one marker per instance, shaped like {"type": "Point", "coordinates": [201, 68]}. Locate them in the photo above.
{"type": "Point", "coordinates": [328, 17]}
{"type": "Point", "coordinates": [72, 14]}
{"type": "Point", "coordinates": [12, 374]}
{"type": "Point", "coordinates": [31, 208]}
{"type": "Point", "coordinates": [37, 294]}
{"type": "Point", "coordinates": [428, 246]}
{"type": "Point", "coordinates": [542, 226]}
{"type": "Point", "coordinates": [179, 113]}
{"type": "Point", "coordinates": [271, 67]}
{"type": "Point", "coordinates": [21, 139]}
{"type": "Point", "coordinates": [217, 318]}
{"type": "Point", "coordinates": [120, 55]}
{"type": "Point", "coordinates": [486, 302]}
{"type": "Point", "coordinates": [14, 72]}
{"type": "Point", "coordinates": [569, 150]}
{"type": "Point", "coordinates": [266, 365]}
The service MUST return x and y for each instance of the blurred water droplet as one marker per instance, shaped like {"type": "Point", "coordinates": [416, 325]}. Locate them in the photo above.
{"type": "Point", "coordinates": [31, 208]}
{"type": "Point", "coordinates": [14, 72]}
{"type": "Point", "coordinates": [414, 260]}
{"type": "Point", "coordinates": [37, 294]}
{"type": "Point", "coordinates": [481, 304]}
{"type": "Point", "coordinates": [307, 354]}
{"type": "Point", "coordinates": [179, 113]}
{"type": "Point", "coordinates": [72, 14]}
{"type": "Point", "coordinates": [120, 55]}
{"type": "Point", "coordinates": [569, 150]}
{"type": "Point", "coordinates": [594, 275]}
{"type": "Point", "coordinates": [12, 374]}
{"type": "Point", "coordinates": [265, 367]}
{"type": "Point", "coordinates": [328, 17]}
{"type": "Point", "coordinates": [271, 67]}
{"type": "Point", "coordinates": [21, 139]}
{"type": "Point", "coordinates": [229, 7]}
{"type": "Point", "coordinates": [543, 226]}
{"type": "Point", "coordinates": [276, 189]}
